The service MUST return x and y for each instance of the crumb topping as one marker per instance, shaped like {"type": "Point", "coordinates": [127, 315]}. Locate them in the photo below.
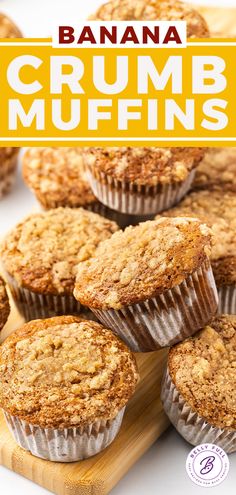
{"type": "Point", "coordinates": [218, 169]}
{"type": "Point", "coordinates": [203, 369]}
{"type": "Point", "coordinates": [57, 177]}
{"type": "Point", "coordinates": [4, 304]}
{"type": "Point", "coordinates": [142, 262]}
{"type": "Point", "coordinates": [150, 10]}
{"type": "Point", "coordinates": [42, 252]}
{"type": "Point", "coordinates": [8, 160]}
{"type": "Point", "coordinates": [144, 166]}
{"type": "Point", "coordinates": [8, 29]}
{"type": "Point", "coordinates": [64, 372]}
{"type": "Point", "coordinates": [218, 209]}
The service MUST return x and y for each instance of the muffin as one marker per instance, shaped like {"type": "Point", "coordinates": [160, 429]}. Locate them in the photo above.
{"type": "Point", "coordinates": [8, 29]}
{"type": "Point", "coordinates": [8, 166]}
{"type": "Point", "coordinates": [4, 304]}
{"type": "Point", "coordinates": [151, 284]}
{"type": "Point", "coordinates": [151, 10]}
{"type": "Point", "coordinates": [40, 257]}
{"type": "Point", "coordinates": [217, 207]}
{"type": "Point", "coordinates": [217, 169]}
{"type": "Point", "coordinates": [198, 390]}
{"type": "Point", "coordinates": [141, 181]}
{"type": "Point", "coordinates": [64, 385]}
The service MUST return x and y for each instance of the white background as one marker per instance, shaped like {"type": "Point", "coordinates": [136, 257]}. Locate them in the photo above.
{"type": "Point", "coordinates": [162, 468]}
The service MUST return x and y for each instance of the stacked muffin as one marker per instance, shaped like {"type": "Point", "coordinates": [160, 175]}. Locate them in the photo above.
{"type": "Point", "coordinates": [65, 380]}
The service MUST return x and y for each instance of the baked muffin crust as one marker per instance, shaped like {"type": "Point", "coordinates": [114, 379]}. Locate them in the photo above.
{"type": "Point", "coordinates": [4, 304]}
{"type": "Point", "coordinates": [142, 262]}
{"type": "Point", "coordinates": [7, 160]}
{"type": "Point", "coordinates": [65, 372]}
{"type": "Point", "coordinates": [57, 177]}
{"type": "Point", "coordinates": [150, 10]}
{"type": "Point", "coordinates": [217, 169]}
{"type": "Point", "coordinates": [203, 370]}
{"type": "Point", "coordinates": [8, 29]}
{"type": "Point", "coordinates": [42, 252]}
{"type": "Point", "coordinates": [144, 166]}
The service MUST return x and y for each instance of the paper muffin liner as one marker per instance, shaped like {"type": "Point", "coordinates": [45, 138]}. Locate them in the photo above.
{"type": "Point", "coordinates": [8, 175]}
{"type": "Point", "coordinates": [191, 426]}
{"type": "Point", "coordinates": [137, 200]}
{"type": "Point", "coordinates": [33, 306]}
{"type": "Point", "coordinates": [227, 300]}
{"type": "Point", "coordinates": [168, 318]}
{"type": "Point", "coordinates": [64, 445]}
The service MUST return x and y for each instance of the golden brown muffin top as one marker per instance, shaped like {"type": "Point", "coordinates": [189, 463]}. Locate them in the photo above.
{"type": "Point", "coordinates": [151, 10]}
{"type": "Point", "coordinates": [8, 29]}
{"type": "Point", "coordinates": [57, 177]}
{"type": "Point", "coordinates": [218, 169]}
{"type": "Point", "coordinates": [42, 252]}
{"type": "Point", "coordinates": [142, 262]}
{"type": "Point", "coordinates": [218, 209]}
{"type": "Point", "coordinates": [6, 157]}
{"type": "Point", "coordinates": [144, 166]}
{"type": "Point", "coordinates": [204, 372]}
{"type": "Point", "coordinates": [65, 372]}
{"type": "Point", "coordinates": [4, 304]}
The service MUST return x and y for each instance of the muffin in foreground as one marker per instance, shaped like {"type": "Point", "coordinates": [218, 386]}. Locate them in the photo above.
{"type": "Point", "coordinates": [141, 181]}
{"type": "Point", "coordinates": [217, 207]}
{"type": "Point", "coordinates": [8, 166]}
{"type": "Point", "coordinates": [198, 390]}
{"type": "Point", "coordinates": [4, 304]}
{"type": "Point", "coordinates": [217, 169]}
{"type": "Point", "coordinates": [64, 386]}
{"type": "Point", "coordinates": [40, 257]}
{"type": "Point", "coordinates": [151, 10]}
{"type": "Point", "coordinates": [151, 284]}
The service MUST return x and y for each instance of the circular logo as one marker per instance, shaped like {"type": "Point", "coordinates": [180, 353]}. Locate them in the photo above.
{"type": "Point", "coordinates": [207, 465]}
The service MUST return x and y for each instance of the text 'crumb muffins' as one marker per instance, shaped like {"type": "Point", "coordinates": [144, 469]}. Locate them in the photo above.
{"type": "Point", "coordinates": [8, 166]}
{"type": "Point", "coordinates": [4, 304]}
{"type": "Point", "coordinates": [198, 390]}
{"type": "Point", "coordinates": [40, 257]}
{"type": "Point", "coordinates": [64, 384]}
{"type": "Point", "coordinates": [217, 169]}
{"type": "Point", "coordinates": [153, 283]}
{"type": "Point", "coordinates": [217, 207]}
{"type": "Point", "coordinates": [141, 181]}
{"type": "Point", "coordinates": [151, 10]}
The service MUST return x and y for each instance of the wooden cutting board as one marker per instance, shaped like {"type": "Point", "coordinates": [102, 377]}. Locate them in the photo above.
{"type": "Point", "coordinates": [144, 420]}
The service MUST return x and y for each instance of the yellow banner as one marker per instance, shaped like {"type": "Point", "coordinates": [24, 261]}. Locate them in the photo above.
{"type": "Point", "coordinates": [117, 96]}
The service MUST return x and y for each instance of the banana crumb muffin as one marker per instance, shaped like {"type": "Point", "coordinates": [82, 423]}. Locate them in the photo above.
{"type": "Point", "coordinates": [141, 181]}
{"type": "Point", "coordinates": [198, 392]}
{"type": "Point", "coordinates": [68, 375]}
{"type": "Point", "coordinates": [217, 207]}
{"type": "Point", "coordinates": [40, 257]}
{"type": "Point", "coordinates": [4, 304]}
{"type": "Point", "coordinates": [152, 284]}
{"type": "Point", "coordinates": [8, 28]}
{"type": "Point", "coordinates": [8, 166]}
{"type": "Point", "coordinates": [217, 169]}
{"type": "Point", "coordinates": [151, 10]}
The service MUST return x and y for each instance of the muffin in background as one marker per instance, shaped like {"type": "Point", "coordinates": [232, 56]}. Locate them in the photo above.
{"type": "Point", "coordinates": [64, 386]}
{"type": "Point", "coordinates": [217, 169]}
{"type": "Point", "coordinates": [216, 207]}
{"type": "Point", "coordinates": [40, 257]}
{"type": "Point", "coordinates": [8, 167]}
{"type": "Point", "coordinates": [198, 390]}
{"type": "Point", "coordinates": [8, 28]}
{"type": "Point", "coordinates": [151, 10]}
{"type": "Point", "coordinates": [4, 304]}
{"type": "Point", "coordinates": [141, 181]}
{"type": "Point", "coordinates": [151, 284]}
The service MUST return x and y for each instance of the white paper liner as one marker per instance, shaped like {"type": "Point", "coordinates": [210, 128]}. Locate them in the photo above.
{"type": "Point", "coordinates": [168, 318]}
{"type": "Point", "coordinates": [227, 300]}
{"type": "Point", "coordinates": [137, 200]}
{"type": "Point", "coordinates": [65, 445]}
{"type": "Point", "coordinates": [33, 306]}
{"type": "Point", "coordinates": [191, 426]}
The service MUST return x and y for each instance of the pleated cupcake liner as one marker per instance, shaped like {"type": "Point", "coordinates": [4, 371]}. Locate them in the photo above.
{"type": "Point", "coordinates": [64, 445]}
{"type": "Point", "coordinates": [137, 200]}
{"type": "Point", "coordinates": [191, 426]}
{"type": "Point", "coordinates": [33, 306]}
{"type": "Point", "coordinates": [227, 300]}
{"type": "Point", "coordinates": [167, 318]}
